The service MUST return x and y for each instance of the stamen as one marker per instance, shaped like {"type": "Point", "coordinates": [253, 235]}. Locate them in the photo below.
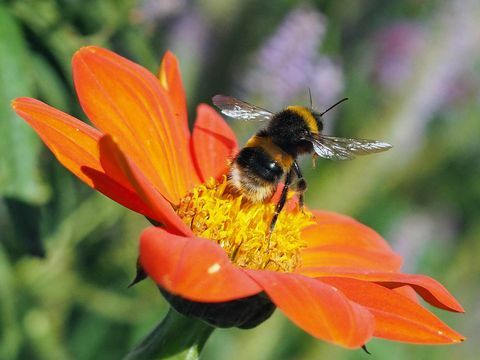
{"type": "Point", "coordinates": [214, 211]}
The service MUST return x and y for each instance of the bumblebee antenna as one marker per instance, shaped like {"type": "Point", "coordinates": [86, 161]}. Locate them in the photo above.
{"type": "Point", "coordinates": [331, 107]}
{"type": "Point", "coordinates": [310, 95]}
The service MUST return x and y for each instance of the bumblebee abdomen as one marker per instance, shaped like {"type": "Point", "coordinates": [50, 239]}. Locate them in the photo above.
{"type": "Point", "coordinates": [255, 174]}
{"type": "Point", "coordinates": [257, 161]}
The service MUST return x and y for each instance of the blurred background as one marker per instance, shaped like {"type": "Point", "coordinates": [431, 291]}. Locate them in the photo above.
{"type": "Point", "coordinates": [412, 72]}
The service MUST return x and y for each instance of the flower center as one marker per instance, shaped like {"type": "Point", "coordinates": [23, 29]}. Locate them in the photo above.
{"type": "Point", "coordinates": [214, 211]}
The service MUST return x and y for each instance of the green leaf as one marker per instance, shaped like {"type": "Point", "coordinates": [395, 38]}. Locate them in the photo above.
{"type": "Point", "coordinates": [49, 84]}
{"type": "Point", "coordinates": [177, 337]}
{"type": "Point", "coordinates": [19, 146]}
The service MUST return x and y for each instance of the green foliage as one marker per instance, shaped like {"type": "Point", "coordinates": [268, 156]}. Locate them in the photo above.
{"type": "Point", "coordinates": [20, 147]}
{"type": "Point", "coordinates": [67, 254]}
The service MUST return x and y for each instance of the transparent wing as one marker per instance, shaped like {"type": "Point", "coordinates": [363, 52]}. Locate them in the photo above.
{"type": "Point", "coordinates": [239, 109]}
{"type": "Point", "coordinates": [335, 148]}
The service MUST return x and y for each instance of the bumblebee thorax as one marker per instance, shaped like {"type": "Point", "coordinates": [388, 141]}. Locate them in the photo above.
{"type": "Point", "coordinates": [290, 128]}
{"type": "Point", "coordinates": [307, 116]}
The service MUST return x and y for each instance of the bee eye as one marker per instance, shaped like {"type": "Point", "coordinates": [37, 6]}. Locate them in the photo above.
{"type": "Point", "coordinates": [318, 118]}
{"type": "Point", "coordinates": [320, 125]}
{"type": "Point", "coordinates": [272, 165]}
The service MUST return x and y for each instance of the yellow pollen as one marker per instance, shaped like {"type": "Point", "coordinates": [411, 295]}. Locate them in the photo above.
{"type": "Point", "coordinates": [214, 211]}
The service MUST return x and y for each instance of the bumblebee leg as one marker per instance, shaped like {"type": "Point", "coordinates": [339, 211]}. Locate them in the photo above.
{"type": "Point", "coordinates": [300, 184]}
{"type": "Point", "coordinates": [281, 202]}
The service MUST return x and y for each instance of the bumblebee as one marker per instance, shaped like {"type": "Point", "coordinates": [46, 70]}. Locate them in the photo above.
{"type": "Point", "coordinates": [270, 156]}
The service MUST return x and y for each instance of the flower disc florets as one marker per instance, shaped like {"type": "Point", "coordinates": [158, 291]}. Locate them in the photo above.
{"type": "Point", "coordinates": [214, 211]}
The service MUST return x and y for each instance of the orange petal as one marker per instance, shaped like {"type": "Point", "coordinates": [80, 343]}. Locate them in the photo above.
{"type": "Point", "coordinates": [317, 308]}
{"type": "Point", "coordinates": [171, 82]}
{"type": "Point", "coordinates": [326, 217]}
{"type": "Point", "coordinates": [160, 208]}
{"type": "Point", "coordinates": [126, 101]}
{"type": "Point", "coordinates": [349, 255]}
{"type": "Point", "coordinates": [429, 289]}
{"type": "Point", "coordinates": [213, 143]}
{"type": "Point", "coordinates": [332, 229]}
{"type": "Point", "coordinates": [408, 292]}
{"type": "Point", "coordinates": [115, 191]}
{"type": "Point", "coordinates": [320, 271]}
{"type": "Point", "coordinates": [194, 268]}
{"type": "Point", "coordinates": [73, 142]}
{"type": "Point", "coordinates": [75, 145]}
{"type": "Point", "coordinates": [396, 317]}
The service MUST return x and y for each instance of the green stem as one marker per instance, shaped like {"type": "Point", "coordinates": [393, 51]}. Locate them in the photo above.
{"type": "Point", "coordinates": [176, 337]}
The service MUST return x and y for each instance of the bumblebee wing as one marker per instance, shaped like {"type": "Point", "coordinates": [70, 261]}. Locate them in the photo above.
{"type": "Point", "coordinates": [330, 151]}
{"type": "Point", "coordinates": [336, 148]}
{"type": "Point", "coordinates": [239, 109]}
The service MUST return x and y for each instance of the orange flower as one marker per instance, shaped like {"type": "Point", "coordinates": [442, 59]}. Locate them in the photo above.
{"type": "Point", "coordinates": [332, 276]}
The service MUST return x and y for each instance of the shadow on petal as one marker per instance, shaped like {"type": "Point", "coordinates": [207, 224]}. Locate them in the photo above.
{"type": "Point", "coordinates": [160, 208]}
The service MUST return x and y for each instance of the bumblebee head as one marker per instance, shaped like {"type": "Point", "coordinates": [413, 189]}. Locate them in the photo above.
{"type": "Point", "coordinates": [318, 119]}
{"type": "Point", "coordinates": [315, 124]}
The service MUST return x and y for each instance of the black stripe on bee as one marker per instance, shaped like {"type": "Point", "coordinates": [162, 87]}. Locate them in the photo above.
{"type": "Point", "coordinates": [256, 160]}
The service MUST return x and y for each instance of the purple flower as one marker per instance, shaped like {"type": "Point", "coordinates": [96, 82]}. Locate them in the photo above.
{"type": "Point", "coordinates": [288, 64]}
{"type": "Point", "coordinates": [396, 50]}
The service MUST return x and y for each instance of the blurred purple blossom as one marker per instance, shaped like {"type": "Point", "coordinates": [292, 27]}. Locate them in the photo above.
{"type": "Point", "coordinates": [288, 64]}
{"type": "Point", "coordinates": [396, 49]}
{"type": "Point", "coordinates": [413, 235]}
{"type": "Point", "coordinates": [188, 35]}
{"type": "Point", "coordinates": [463, 87]}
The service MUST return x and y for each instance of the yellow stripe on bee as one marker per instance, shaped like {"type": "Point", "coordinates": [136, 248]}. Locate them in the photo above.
{"type": "Point", "coordinates": [275, 152]}
{"type": "Point", "coordinates": [307, 116]}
